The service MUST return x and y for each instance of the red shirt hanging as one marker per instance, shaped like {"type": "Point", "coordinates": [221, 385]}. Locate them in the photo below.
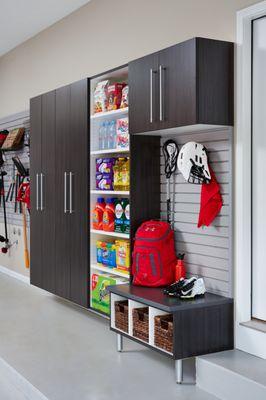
{"type": "Point", "coordinates": [211, 201]}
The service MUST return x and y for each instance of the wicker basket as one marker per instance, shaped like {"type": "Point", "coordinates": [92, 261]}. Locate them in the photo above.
{"type": "Point", "coordinates": [121, 315]}
{"type": "Point", "coordinates": [163, 332]}
{"type": "Point", "coordinates": [141, 323]}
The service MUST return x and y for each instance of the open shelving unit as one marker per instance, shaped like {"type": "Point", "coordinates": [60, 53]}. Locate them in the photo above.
{"type": "Point", "coordinates": [118, 75]}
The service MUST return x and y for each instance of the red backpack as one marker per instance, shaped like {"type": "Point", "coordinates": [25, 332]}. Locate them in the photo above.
{"type": "Point", "coordinates": [154, 257]}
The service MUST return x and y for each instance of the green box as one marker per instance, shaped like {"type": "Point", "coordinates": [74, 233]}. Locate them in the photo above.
{"type": "Point", "coordinates": [100, 297]}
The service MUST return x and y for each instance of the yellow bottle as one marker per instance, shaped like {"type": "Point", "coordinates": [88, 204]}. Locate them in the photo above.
{"type": "Point", "coordinates": [118, 174]}
{"type": "Point", "coordinates": [125, 175]}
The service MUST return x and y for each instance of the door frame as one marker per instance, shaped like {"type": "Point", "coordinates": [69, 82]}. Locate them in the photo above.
{"type": "Point", "coordinates": [247, 337]}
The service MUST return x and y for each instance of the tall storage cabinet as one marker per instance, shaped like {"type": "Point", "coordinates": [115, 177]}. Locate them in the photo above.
{"type": "Point", "coordinates": [59, 187]}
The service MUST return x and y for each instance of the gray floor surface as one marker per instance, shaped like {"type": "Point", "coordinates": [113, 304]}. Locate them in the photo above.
{"type": "Point", "coordinates": [239, 362]}
{"type": "Point", "coordinates": [68, 353]}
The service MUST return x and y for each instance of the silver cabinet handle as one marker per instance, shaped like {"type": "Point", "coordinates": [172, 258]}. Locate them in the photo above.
{"type": "Point", "coordinates": [161, 69]}
{"type": "Point", "coordinates": [65, 193]}
{"type": "Point", "coordinates": [70, 193]}
{"type": "Point", "coordinates": [41, 175]}
{"type": "Point", "coordinates": [151, 95]}
{"type": "Point", "coordinates": [37, 192]}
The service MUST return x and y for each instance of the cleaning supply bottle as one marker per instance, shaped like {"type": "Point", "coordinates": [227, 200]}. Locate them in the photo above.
{"type": "Point", "coordinates": [125, 174]}
{"type": "Point", "coordinates": [97, 215]}
{"type": "Point", "coordinates": [180, 271]}
{"type": "Point", "coordinates": [126, 212]}
{"type": "Point", "coordinates": [109, 215]}
{"type": "Point", "coordinates": [117, 170]}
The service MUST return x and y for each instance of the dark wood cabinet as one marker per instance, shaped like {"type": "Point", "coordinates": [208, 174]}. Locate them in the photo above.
{"type": "Point", "coordinates": [36, 240]}
{"type": "Point", "coordinates": [143, 84]}
{"type": "Point", "coordinates": [186, 84]}
{"type": "Point", "coordinates": [59, 186]}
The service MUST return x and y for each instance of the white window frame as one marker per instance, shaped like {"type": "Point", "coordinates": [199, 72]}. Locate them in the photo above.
{"type": "Point", "coordinates": [246, 338]}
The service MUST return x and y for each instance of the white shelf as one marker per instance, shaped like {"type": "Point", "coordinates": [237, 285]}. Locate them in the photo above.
{"type": "Point", "coordinates": [113, 271]}
{"type": "Point", "coordinates": [110, 151]}
{"type": "Point", "coordinates": [112, 192]}
{"type": "Point", "coordinates": [113, 234]}
{"type": "Point", "coordinates": [111, 114]}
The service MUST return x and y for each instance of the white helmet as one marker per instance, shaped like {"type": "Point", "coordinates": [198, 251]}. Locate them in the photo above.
{"type": "Point", "coordinates": [193, 163]}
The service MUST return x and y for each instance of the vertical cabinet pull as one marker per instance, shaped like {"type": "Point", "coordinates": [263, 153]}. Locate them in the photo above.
{"type": "Point", "coordinates": [151, 95]}
{"type": "Point", "coordinates": [161, 70]}
{"type": "Point", "coordinates": [41, 208]}
{"type": "Point", "coordinates": [37, 192]}
{"type": "Point", "coordinates": [70, 192]}
{"type": "Point", "coordinates": [65, 193]}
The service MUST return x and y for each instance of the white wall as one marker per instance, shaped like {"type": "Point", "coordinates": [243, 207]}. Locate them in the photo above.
{"type": "Point", "coordinates": [104, 34]}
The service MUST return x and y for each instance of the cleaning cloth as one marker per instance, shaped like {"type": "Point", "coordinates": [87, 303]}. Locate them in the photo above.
{"type": "Point", "coordinates": [211, 201]}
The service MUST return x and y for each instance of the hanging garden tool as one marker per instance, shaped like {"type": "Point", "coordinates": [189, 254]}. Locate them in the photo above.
{"type": "Point", "coordinates": [170, 152]}
{"type": "Point", "coordinates": [4, 239]}
{"type": "Point", "coordinates": [24, 199]}
{"type": "Point", "coordinates": [10, 193]}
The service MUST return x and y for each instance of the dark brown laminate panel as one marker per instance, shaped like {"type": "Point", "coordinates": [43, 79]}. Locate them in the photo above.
{"type": "Point", "coordinates": [79, 219]}
{"type": "Point", "coordinates": [145, 179]}
{"type": "Point", "coordinates": [199, 331]}
{"type": "Point", "coordinates": [36, 217]}
{"type": "Point", "coordinates": [140, 94]}
{"type": "Point", "coordinates": [215, 82]}
{"type": "Point", "coordinates": [178, 85]}
{"type": "Point", "coordinates": [49, 191]}
{"type": "Point", "coordinates": [63, 234]}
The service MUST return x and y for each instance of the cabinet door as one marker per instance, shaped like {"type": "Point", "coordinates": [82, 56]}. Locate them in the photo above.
{"type": "Point", "coordinates": [143, 94]}
{"type": "Point", "coordinates": [78, 193]}
{"type": "Point", "coordinates": [48, 192]}
{"type": "Point", "coordinates": [177, 85]}
{"type": "Point", "coordinates": [36, 255]}
{"type": "Point", "coordinates": [62, 230]}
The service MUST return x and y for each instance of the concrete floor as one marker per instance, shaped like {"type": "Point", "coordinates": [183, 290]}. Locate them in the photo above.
{"type": "Point", "coordinates": [68, 353]}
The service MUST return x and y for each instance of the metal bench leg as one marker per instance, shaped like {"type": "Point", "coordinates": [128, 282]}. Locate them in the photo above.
{"type": "Point", "coordinates": [179, 371]}
{"type": "Point", "coordinates": [119, 342]}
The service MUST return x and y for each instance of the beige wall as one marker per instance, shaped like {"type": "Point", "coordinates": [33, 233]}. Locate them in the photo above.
{"type": "Point", "coordinates": [105, 34]}
{"type": "Point", "coordinates": [14, 258]}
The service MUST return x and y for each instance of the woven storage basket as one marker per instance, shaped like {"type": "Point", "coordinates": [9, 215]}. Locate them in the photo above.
{"type": "Point", "coordinates": [141, 323]}
{"type": "Point", "coordinates": [163, 332]}
{"type": "Point", "coordinates": [121, 315]}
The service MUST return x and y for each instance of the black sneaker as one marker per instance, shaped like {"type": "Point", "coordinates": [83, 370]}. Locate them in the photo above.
{"type": "Point", "coordinates": [175, 287]}
{"type": "Point", "coordinates": [183, 286]}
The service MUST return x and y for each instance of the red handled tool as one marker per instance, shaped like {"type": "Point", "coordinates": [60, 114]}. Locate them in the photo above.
{"type": "Point", "coordinates": [24, 199]}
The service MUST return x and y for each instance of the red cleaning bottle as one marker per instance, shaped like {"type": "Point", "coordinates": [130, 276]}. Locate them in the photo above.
{"type": "Point", "coordinates": [180, 270]}
{"type": "Point", "coordinates": [109, 216]}
{"type": "Point", "coordinates": [97, 215]}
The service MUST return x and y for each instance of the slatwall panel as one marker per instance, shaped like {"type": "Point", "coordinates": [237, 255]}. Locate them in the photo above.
{"type": "Point", "coordinates": [14, 121]}
{"type": "Point", "coordinates": [208, 250]}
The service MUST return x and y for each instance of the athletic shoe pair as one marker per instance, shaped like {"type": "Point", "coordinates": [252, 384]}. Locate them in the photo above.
{"type": "Point", "coordinates": [186, 288]}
